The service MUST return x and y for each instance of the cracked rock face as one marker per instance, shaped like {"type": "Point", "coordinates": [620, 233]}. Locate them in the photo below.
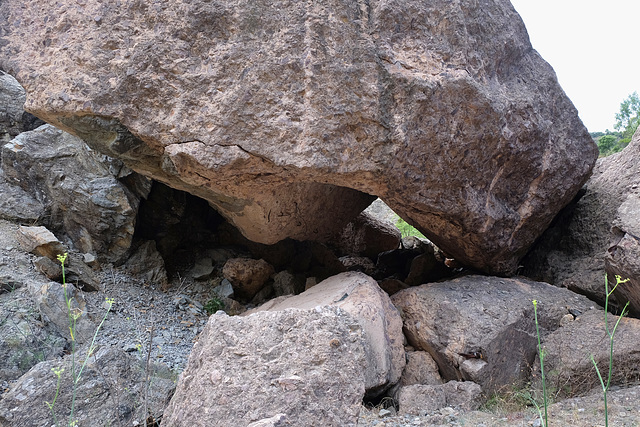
{"type": "Point", "coordinates": [287, 116]}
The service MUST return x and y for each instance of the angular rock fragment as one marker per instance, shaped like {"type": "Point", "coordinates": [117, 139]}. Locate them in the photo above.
{"type": "Point", "coordinates": [147, 264]}
{"type": "Point", "coordinates": [482, 329]}
{"type": "Point", "coordinates": [367, 236]}
{"type": "Point", "coordinates": [568, 367]}
{"type": "Point", "coordinates": [305, 365]}
{"type": "Point", "coordinates": [247, 276]}
{"type": "Point", "coordinates": [588, 238]}
{"type": "Point", "coordinates": [360, 296]}
{"type": "Point", "coordinates": [420, 369]}
{"type": "Point", "coordinates": [40, 241]}
{"type": "Point", "coordinates": [82, 198]}
{"type": "Point", "coordinates": [59, 305]}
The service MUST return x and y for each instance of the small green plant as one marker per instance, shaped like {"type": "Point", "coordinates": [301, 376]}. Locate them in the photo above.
{"type": "Point", "coordinates": [213, 305]}
{"type": "Point", "coordinates": [545, 421]}
{"type": "Point", "coordinates": [610, 333]}
{"type": "Point", "coordinates": [74, 314]}
{"type": "Point", "coordinates": [58, 373]}
{"type": "Point", "coordinates": [407, 230]}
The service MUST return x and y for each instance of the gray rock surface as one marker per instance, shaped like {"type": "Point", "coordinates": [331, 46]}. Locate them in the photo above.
{"type": "Point", "coordinates": [368, 236]}
{"type": "Point", "coordinates": [568, 368]}
{"type": "Point", "coordinates": [18, 205]}
{"type": "Point", "coordinates": [288, 116]}
{"type": "Point", "coordinates": [572, 252]}
{"type": "Point", "coordinates": [420, 369]}
{"type": "Point", "coordinates": [422, 399]}
{"type": "Point", "coordinates": [24, 339]}
{"type": "Point", "coordinates": [83, 199]}
{"type": "Point", "coordinates": [13, 118]}
{"type": "Point", "coordinates": [306, 364]}
{"type": "Point", "coordinates": [489, 316]}
{"type": "Point", "coordinates": [146, 263]}
{"type": "Point", "coordinates": [110, 391]}
{"type": "Point", "coordinates": [623, 256]}
{"type": "Point", "coordinates": [57, 305]}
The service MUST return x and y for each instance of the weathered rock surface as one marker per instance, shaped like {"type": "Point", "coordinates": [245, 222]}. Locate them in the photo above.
{"type": "Point", "coordinates": [567, 363]}
{"type": "Point", "coordinates": [24, 339]}
{"type": "Point", "coordinates": [147, 264]}
{"type": "Point", "coordinates": [287, 116]}
{"type": "Point", "coordinates": [17, 204]}
{"type": "Point", "coordinates": [13, 119]}
{"type": "Point", "coordinates": [110, 391]}
{"type": "Point", "coordinates": [367, 236]}
{"type": "Point", "coordinates": [489, 316]}
{"type": "Point", "coordinates": [572, 252]}
{"type": "Point", "coordinates": [82, 196]}
{"type": "Point", "coordinates": [247, 275]}
{"type": "Point", "coordinates": [12, 97]}
{"type": "Point", "coordinates": [57, 303]}
{"type": "Point", "coordinates": [304, 364]}
{"type": "Point", "coordinates": [422, 399]}
{"type": "Point", "coordinates": [420, 369]}
{"type": "Point", "coordinates": [40, 241]}
{"type": "Point", "coordinates": [360, 296]}
{"type": "Point", "coordinates": [623, 256]}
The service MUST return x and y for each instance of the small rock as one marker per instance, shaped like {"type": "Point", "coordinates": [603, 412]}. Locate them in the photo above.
{"type": "Point", "coordinates": [40, 241]}
{"type": "Point", "coordinates": [223, 290]}
{"type": "Point", "coordinates": [286, 283]}
{"type": "Point", "coordinates": [48, 267]}
{"type": "Point", "coordinates": [566, 319]}
{"type": "Point", "coordinates": [203, 269]}
{"type": "Point", "coordinates": [130, 348]}
{"type": "Point", "coordinates": [384, 413]}
{"type": "Point", "coordinates": [90, 259]}
{"type": "Point", "coordinates": [247, 276]}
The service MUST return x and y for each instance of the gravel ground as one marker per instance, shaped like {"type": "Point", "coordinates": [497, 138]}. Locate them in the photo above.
{"type": "Point", "coordinates": [173, 319]}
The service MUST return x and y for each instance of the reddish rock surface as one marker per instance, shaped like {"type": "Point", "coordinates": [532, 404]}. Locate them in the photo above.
{"type": "Point", "coordinates": [288, 116]}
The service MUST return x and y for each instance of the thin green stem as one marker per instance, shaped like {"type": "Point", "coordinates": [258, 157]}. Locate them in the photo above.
{"type": "Point", "coordinates": [610, 333]}
{"type": "Point", "coordinates": [541, 355]}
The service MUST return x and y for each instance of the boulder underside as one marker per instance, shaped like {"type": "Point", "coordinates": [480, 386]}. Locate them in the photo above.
{"type": "Point", "coordinates": [288, 117]}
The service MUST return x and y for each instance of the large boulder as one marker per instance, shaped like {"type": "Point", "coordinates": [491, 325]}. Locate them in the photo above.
{"type": "Point", "coordinates": [368, 236]}
{"type": "Point", "coordinates": [600, 224]}
{"type": "Point", "coordinates": [623, 256]}
{"type": "Point", "coordinates": [82, 197]}
{"type": "Point", "coordinates": [360, 296]}
{"type": "Point", "coordinates": [287, 116]}
{"type": "Point", "coordinates": [481, 328]}
{"type": "Point", "coordinates": [112, 389]}
{"type": "Point", "coordinates": [303, 364]}
{"type": "Point", "coordinates": [24, 339]}
{"type": "Point", "coordinates": [13, 119]}
{"type": "Point", "coordinates": [568, 368]}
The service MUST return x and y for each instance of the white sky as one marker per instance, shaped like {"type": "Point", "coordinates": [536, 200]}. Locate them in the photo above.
{"type": "Point", "coordinates": [594, 47]}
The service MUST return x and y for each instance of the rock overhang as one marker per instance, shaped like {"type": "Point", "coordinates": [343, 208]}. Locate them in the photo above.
{"type": "Point", "coordinates": [287, 117]}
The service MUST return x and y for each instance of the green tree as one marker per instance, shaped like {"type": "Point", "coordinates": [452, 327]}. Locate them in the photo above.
{"type": "Point", "coordinates": [607, 144]}
{"type": "Point", "coordinates": [628, 119]}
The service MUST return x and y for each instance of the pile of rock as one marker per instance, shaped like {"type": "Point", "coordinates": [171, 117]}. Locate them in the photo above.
{"type": "Point", "coordinates": [225, 154]}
